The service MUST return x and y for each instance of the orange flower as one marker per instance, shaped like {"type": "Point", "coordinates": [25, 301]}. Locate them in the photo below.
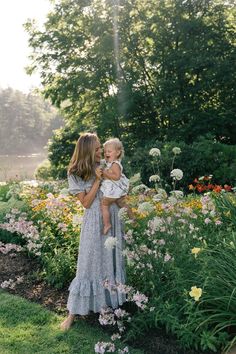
{"type": "Point", "coordinates": [217, 189]}
{"type": "Point", "coordinates": [191, 187]}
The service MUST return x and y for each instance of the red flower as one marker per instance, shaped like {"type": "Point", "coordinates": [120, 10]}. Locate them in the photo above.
{"type": "Point", "coordinates": [200, 188]}
{"type": "Point", "coordinates": [227, 188]}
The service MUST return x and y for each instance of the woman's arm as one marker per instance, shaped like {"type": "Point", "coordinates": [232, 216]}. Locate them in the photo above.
{"type": "Point", "coordinates": [86, 199]}
{"type": "Point", "coordinates": [114, 172]}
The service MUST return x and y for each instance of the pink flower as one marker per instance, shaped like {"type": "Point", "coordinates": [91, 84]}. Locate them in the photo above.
{"type": "Point", "coordinates": [161, 242]}
{"type": "Point", "coordinates": [167, 257]}
{"type": "Point", "coordinates": [140, 300]}
{"type": "Point", "coordinates": [207, 221]}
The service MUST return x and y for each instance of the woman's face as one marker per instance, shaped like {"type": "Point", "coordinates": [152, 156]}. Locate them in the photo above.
{"type": "Point", "coordinates": [98, 151]}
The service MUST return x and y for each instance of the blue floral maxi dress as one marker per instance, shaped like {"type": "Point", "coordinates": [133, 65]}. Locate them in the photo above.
{"type": "Point", "coordinates": [95, 262]}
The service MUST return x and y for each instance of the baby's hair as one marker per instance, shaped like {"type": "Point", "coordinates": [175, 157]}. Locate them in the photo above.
{"type": "Point", "coordinates": [117, 144]}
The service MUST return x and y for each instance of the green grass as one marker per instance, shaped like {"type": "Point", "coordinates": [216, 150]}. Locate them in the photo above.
{"type": "Point", "coordinates": [27, 328]}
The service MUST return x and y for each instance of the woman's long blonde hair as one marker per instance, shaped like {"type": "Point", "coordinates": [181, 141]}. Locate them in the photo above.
{"type": "Point", "coordinates": [83, 161]}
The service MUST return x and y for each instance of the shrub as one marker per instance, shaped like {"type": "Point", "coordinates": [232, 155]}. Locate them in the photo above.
{"type": "Point", "coordinates": [44, 171]}
{"type": "Point", "coordinates": [4, 189]}
{"type": "Point", "coordinates": [203, 157]}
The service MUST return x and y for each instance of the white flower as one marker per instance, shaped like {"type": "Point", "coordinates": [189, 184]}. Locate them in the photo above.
{"type": "Point", "coordinates": [110, 243]}
{"type": "Point", "coordinates": [155, 152]}
{"type": "Point", "coordinates": [141, 188]}
{"type": "Point", "coordinates": [115, 336]}
{"type": "Point", "coordinates": [177, 174]}
{"type": "Point", "coordinates": [172, 200]}
{"type": "Point", "coordinates": [123, 351]}
{"type": "Point", "coordinates": [177, 194]}
{"type": "Point", "coordinates": [32, 183]}
{"type": "Point", "coordinates": [154, 178]}
{"type": "Point", "coordinates": [145, 207]}
{"type": "Point", "coordinates": [123, 214]}
{"type": "Point", "coordinates": [161, 194]}
{"type": "Point", "coordinates": [176, 150]}
{"type": "Point", "coordinates": [155, 223]}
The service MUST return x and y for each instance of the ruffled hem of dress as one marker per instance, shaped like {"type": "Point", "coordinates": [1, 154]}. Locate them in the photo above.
{"type": "Point", "coordinates": [86, 287]}
{"type": "Point", "coordinates": [86, 296]}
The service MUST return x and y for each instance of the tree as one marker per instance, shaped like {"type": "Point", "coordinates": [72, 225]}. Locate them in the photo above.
{"type": "Point", "coordinates": [139, 69]}
{"type": "Point", "coordinates": [27, 122]}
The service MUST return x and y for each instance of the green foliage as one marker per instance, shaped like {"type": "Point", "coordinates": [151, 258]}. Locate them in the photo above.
{"type": "Point", "coordinates": [226, 204]}
{"type": "Point", "coordinates": [219, 303]}
{"type": "Point", "coordinates": [58, 255]}
{"type": "Point", "coordinates": [60, 148]}
{"type": "Point", "coordinates": [44, 171]}
{"type": "Point", "coordinates": [203, 157]}
{"type": "Point", "coordinates": [12, 203]}
{"type": "Point", "coordinates": [4, 189]}
{"type": "Point", "coordinates": [201, 255]}
{"type": "Point", "coordinates": [9, 237]}
{"type": "Point", "coordinates": [170, 248]}
{"type": "Point", "coordinates": [9, 201]}
{"type": "Point", "coordinates": [26, 327]}
{"type": "Point", "coordinates": [59, 266]}
{"type": "Point", "coordinates": [27, 122]}
{"type": "Point", "coordinates": [170, 75]}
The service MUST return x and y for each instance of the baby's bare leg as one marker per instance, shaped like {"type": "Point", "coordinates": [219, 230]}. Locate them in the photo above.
{"type": "Point", "coordinates": [105, 205]}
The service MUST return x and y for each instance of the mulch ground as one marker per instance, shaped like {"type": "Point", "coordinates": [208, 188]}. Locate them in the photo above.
{"type": "Point", "coordinates": [35, 290]}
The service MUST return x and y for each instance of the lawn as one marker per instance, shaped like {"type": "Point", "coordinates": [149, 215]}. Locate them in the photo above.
{"type": "Point", "coordinates": [27, 328]}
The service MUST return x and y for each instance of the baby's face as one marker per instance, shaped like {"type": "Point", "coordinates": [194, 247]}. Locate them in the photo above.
{"type": "Point", "coordinates": [110, 153]}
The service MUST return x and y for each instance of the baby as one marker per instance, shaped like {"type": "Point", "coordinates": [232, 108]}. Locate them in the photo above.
{"type": "Point", "coordinates": [115, 185]}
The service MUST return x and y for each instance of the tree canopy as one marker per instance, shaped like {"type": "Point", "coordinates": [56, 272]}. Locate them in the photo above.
{"type": "Point", "coordinates": [140, 68]}
{"type": "Point", "coordinates": [146, 71]}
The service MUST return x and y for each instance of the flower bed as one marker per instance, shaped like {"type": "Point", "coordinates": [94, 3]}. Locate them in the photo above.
{"type": "Point", "coordinates": [180, 255]}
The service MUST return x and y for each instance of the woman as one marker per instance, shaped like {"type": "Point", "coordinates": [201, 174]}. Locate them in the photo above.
{"type": "Point", "coordinates": [95, 263]}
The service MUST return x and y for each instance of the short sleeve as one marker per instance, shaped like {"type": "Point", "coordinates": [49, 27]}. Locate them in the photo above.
{"type": "Point", "coordinates": [76, 184]}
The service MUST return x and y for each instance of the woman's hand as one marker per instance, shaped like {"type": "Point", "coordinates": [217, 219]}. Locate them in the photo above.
{"type": "Point", "coordinates": [98, 173]}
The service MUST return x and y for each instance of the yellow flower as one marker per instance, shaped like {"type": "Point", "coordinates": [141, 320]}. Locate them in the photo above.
{"type": "Point", "coordinates": [195, 251]}
{"type": "Point", "coordinates": [196, 293]}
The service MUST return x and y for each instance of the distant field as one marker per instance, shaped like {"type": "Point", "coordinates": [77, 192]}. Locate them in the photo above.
{"type": "Point", "coordinates": [19, 166]}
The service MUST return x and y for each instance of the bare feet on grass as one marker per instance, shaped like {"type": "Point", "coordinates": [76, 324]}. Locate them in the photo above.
{"type": "Point", "coordinates": [65, 325]}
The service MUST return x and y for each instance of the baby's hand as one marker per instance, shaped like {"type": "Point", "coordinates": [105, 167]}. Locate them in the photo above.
{"type": "Point", "coordinates": [103, 164]}
{"type": "Point", "coordinates": [98, 173]}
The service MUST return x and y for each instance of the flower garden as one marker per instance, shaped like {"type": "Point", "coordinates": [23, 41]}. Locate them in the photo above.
{"type": "Point", "coordinates": [179, 251]}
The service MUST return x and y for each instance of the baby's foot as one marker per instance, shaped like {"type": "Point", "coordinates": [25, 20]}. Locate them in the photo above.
{"type": "Point", "coordinates": [65, 325]}
{"type": "Point", "coordinates": [106, 229]}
